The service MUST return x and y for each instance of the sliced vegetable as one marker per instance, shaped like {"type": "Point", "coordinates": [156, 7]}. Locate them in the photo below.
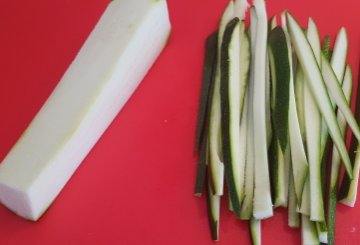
{"type": "Point", "coordinates": [313, 74]}
{"type": "Point", "coordinates": [255, 231]}
{"type": "Point", "coordinates": [309, 234]}
{"type": "Point", "coordinates": [293, 216]}
{"type": "Point", "coordinates": [230, 110]}
{"type": "Point", "coordinates": [213, 203]}
{"type": "Point", "coordinates": [335, 160]}
{"type": "Point", "coordinates": [312, 132]}
{"type": "Point", "coordinates": [348, 189]}
{"type": "Point", "coordinates": [104, 74]}
{"type": "Point", "coordinates": [204, 111]}
{"type": "Point", "coordinates": [216, 164]}
{"type": "Point", "coordinates": [262, 197]}
{"type": "Point", "coordinates": [337, 93]}
{"type": "Point", "coordinates": [247, 205]}
{"type": "Point", "coordinates": [280, 71]}
{"type": "Point", "coordinates": [207, 83]}
{"type": "Point", "coordinates": [298, 156]}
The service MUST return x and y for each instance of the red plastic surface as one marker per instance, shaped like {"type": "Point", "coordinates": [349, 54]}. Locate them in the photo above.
{"type": "Point", "coordinates": [136, 185]}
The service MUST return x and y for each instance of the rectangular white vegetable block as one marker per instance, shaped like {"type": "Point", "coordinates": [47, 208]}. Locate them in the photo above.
{"type": "Point", "coordinates": [110, 65]}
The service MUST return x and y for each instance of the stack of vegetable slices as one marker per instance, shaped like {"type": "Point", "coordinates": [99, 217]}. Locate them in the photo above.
{"type": "Point", "coordinates": [273, 113]}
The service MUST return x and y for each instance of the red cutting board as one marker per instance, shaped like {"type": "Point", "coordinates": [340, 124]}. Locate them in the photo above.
{"type": "Point", "coordinates": [136, 185]}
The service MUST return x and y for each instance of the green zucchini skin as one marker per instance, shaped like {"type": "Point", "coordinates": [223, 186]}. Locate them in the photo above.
{"type": "Point", "coordinates": [202, 130]}
{"type": "Point", "coordinates": [280, 70]}
{"type": "Point", "coordinates": [208, 78]}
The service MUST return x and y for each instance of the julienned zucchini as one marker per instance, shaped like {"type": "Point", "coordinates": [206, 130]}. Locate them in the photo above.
{"type": "Point", "coordinates": [202, 129]}
{"type": "Point", "coordinates": [349, 188]}
{"type": "Point", "coordinates": [262, 197]}
{"type": "Point", "coordinates": [255, 231]}
{"type": "Point", "coordinates": [335, 160]}
{"type": "Point", "coordinates": [312, 132]}
{"type": "Point", "coordinates": [298, 157]}
{"type": "Point", "coordinates": [313, 74]}
{"type": "Point", "coordinates": [230, 109]}
{"type": "Point", "coordinates": [280, 73]}
{"type": "Point", "coordinates": [213, 203]}
{"type": "Point", "coordinates": [216, 164]}
{"type": "Point", "coordinates": [247, 204]}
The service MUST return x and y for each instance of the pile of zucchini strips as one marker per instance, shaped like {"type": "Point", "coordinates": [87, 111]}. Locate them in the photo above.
{"type": "Point", "coordinates": [273, 114]}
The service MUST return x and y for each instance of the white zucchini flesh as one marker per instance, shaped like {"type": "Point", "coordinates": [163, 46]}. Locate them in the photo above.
{"type": "Point", "coordinates": [338, 58]}
{"type": "Point", "coordinates": [262, 197]}
{"type": "Point", "coordinates": [241, 6]}
{"type": "Point", "coordinates": [244, 65]}
{"type": "Point", "coordinates": [313, 74]}
{"type": "Point", "coordinates": [299, 161]}
{"type": "Point", "coordinates": [106, 71]}
{"type": "Point", "coordinates": [312, 132]}
{"type": "Point", "coordinates": [337, 93]}
{"type": "Point", "coordinates": [309, 234]}
{"type": "Point", "coordinates": [338, 63]}
{"type": "Point", "coordinates": [216, 164]}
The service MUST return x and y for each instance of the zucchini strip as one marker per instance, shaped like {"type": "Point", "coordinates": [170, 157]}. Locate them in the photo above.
{"type": "Point", "coordinates": [255, 231]}
{"type": "Point", "coordinates": [336, 91]}
{"type": "Point", "coordinates": [338, 59]}
{"type": "Point", "coordinates": [314, 77]}
{"type": "Point", "coordinates": [309, 234]}
{"type": "Point", "coordinates": [230, 110]}
{"type": "Point", "coordinates": [322, 231]}
{"type": "Point", "coordinates": [213, 204]}
{"type": "Point", "coordinates": [247, 204]}
{"type": "Point", "coordinates": [262, 197]}
{"type": "Point", "coordinates": [293, 216]}
{"type": "Point", "coordinates": [349, 188]}
{"type": "Point", "coordinates": [312, 132]}
{"type": "Point", "coordinates": [299, 161]}
{"type": "Point", "coordinates": [216, 164]}
{"type": "Point", "coordinates": [335, 160]}
{"type": "Point", "coordinates": [338, 62]}
{"type": "Point", "coordinates": [204, 110]}
{"type": "Point", "coordinates": [280, 71]}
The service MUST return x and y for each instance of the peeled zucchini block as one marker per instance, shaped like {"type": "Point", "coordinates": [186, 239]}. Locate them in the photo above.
{"type": "Point", "coordinates": [112, 62]}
